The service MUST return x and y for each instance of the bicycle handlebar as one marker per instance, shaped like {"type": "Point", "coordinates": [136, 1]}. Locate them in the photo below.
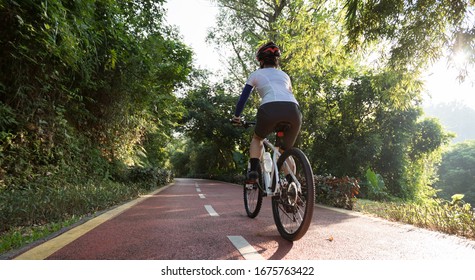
{"type": "Point", "coordinates": [244, 123]}
{"type": "Point", "coordinates": [247, 124]}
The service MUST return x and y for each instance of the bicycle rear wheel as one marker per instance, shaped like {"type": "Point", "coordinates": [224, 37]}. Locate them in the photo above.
{"type": "Point", "coordinates": [253, 197]}
{"type": "Point", "coordinates": [293, 207]}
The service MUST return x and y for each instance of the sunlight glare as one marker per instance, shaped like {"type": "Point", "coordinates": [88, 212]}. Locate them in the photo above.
{"type": "Point", "coordinates": [442, 85]}
{"type": "Point", "coordinates": [460, 59]}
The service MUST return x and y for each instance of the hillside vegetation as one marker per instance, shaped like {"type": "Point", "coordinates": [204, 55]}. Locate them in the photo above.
{"type": "Point", "coordinates": [86, 103]}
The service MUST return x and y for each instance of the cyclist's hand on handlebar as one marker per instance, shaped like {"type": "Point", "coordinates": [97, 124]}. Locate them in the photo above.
{"type": "Point", "coordinates": [236, 121]}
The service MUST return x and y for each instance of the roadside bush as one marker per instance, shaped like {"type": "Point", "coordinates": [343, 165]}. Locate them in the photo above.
{"type": "Point", "coordinates": [52, 198]}
{"type": "Point", "coordinates": [336, 192]}
{"type": "Point", "coordinates": [230, 178]}
{"type": "Point", "coordinates": [150, 177]}
{"type": "Point", "coordinates": [37, 206]}
{"type": "Point", "coordinates": [373, 187]}
{"type": "Point", "coordinates": [452, 217]}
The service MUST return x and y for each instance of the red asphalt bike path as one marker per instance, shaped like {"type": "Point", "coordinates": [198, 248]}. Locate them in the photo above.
{"type": "Point", "coordinates": [174, 224]}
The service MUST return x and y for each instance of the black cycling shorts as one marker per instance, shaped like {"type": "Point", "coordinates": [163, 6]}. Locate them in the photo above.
{"type": "Point", "coordinates": [271, 114]}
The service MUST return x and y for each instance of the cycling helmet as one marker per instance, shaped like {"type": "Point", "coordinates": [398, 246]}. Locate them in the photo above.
{"type": "Point", "coordinates": [267, 50]}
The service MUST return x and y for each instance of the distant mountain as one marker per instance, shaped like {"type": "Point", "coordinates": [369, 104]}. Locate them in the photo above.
{"type": "Point", "coordinates": [456, 117]}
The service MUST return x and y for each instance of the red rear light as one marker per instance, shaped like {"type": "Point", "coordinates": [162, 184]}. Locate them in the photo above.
{"type": "Point", "coordinates": [280, 134]}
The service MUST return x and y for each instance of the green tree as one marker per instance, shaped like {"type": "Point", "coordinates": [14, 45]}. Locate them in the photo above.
{"type": "Point", "coordinates": [86, 91]}
{"type": "Point", "coordinates": [92, 77]}
{"type": "Point", "coordinates": [356, 116]}
{"type": "Point", "coordinates": [418, 32]}
{"type": "Point", "coordinates": [206, 124]}
{"type": "Point", "coordinates": [106, 69]}
{"type": "Point", "coordinates": [457, 171]}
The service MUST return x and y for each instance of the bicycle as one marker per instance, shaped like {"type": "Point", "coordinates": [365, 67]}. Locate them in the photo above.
{"type": "Point", "coordinates": [288, 179]}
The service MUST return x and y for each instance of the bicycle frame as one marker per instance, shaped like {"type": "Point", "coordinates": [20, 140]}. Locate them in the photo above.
{"type": "Point", "coordinates": [290, 184]}
{"type": "Point", "coordinates": [274, 174]}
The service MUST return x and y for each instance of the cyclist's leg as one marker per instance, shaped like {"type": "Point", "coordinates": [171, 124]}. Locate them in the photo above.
{"type": "Point", "coordinates": [293, 116]}
{"type": "Point", "coordinates": [264, 126]}
{"type": "Point", "coordinates": [255, 150]}
{"type": "Point", "coordinates": [265, 121]}
{"type": "Point", "coordinates": [288, 167]}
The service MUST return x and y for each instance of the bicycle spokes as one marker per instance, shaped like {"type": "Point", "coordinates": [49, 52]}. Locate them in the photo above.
{"type": "Point", "coordinates": [253, 197]}
{"type": "Point", "coordinates": [293, 205]}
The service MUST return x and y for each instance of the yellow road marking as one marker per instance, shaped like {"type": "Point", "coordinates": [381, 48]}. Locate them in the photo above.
{"type": "Point", "coordinates": [48, 248]}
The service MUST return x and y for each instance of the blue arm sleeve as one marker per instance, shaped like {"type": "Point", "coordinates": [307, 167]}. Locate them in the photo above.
{"type": "Point", "coordinates": [246, 92]}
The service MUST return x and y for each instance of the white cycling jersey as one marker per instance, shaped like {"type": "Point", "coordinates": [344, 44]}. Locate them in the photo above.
{"type": "Point", "coordinates": [273, 85]}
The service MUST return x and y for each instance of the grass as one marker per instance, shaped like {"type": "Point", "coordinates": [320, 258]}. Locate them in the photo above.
{"type": "Point", "coordinates": [18, 237]}
{"type": "Point", "coordinates": [454, 217]}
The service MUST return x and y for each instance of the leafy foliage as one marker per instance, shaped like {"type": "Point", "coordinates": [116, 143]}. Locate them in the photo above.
{"type": "Point", "coordinates": [418, 31]}
{"type": "Point", "coordinates": [21, 236]}
{"type": "Point", "coordinates": [374, 187]}
{"type": "Point", "coordinates": [337, 192]}
{"type": "Point", "coordinates": [453, 217]}
{"type": "Point", "coordinates": [356, 116]}
{"type": "Point", "coordinates": [86, 90]}
{"type": "Point", "coordinates": [150, 177]}
{"type": "Point", "coordinates": [90, 64]}
{"type": "Point", "coordinates": [60, 200]}
{"type": "Point", "coordinates": [209, 132]}
{"type": "Point", "coordinates": [457, 171]}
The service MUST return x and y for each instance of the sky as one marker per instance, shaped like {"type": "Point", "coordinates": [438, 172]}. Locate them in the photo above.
{"type": "Point", "coordinates": [443, 87]}
{"type": "Point", "coordinates": [195, 17]}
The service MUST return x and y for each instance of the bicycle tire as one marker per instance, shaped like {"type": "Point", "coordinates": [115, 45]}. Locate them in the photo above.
{"type": "Point", "coordinates": [253, 197]}
{"type": "Point", "coordinates": [293, 212]}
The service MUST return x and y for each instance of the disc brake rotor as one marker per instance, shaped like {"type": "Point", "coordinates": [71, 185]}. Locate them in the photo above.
{"type": "Point", "coordinates": [292, 194]}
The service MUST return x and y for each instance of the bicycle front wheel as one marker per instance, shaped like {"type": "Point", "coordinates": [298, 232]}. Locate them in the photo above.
{"type": "Point", "coordinates": [253, 197]}
{"type": "Point", "coordinates": [293, 207]}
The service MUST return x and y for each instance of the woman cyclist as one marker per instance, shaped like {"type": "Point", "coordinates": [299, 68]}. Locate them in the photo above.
{"type": "Point", "coordinates": [278, 104]}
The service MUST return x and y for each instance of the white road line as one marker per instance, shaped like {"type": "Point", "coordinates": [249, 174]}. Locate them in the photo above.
{"type": "Point", "coordinates": [202, 196]}
{"type": "Point", "coordinates": [198, 189]}
{"type": "Point", "coordinates": [211, 211]}
{"type": "Point", "coordinates": [246, 250]}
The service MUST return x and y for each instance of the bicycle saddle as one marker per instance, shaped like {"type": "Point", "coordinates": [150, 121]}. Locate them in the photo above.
{"type": "Point", "coordinates": [282, 127]}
